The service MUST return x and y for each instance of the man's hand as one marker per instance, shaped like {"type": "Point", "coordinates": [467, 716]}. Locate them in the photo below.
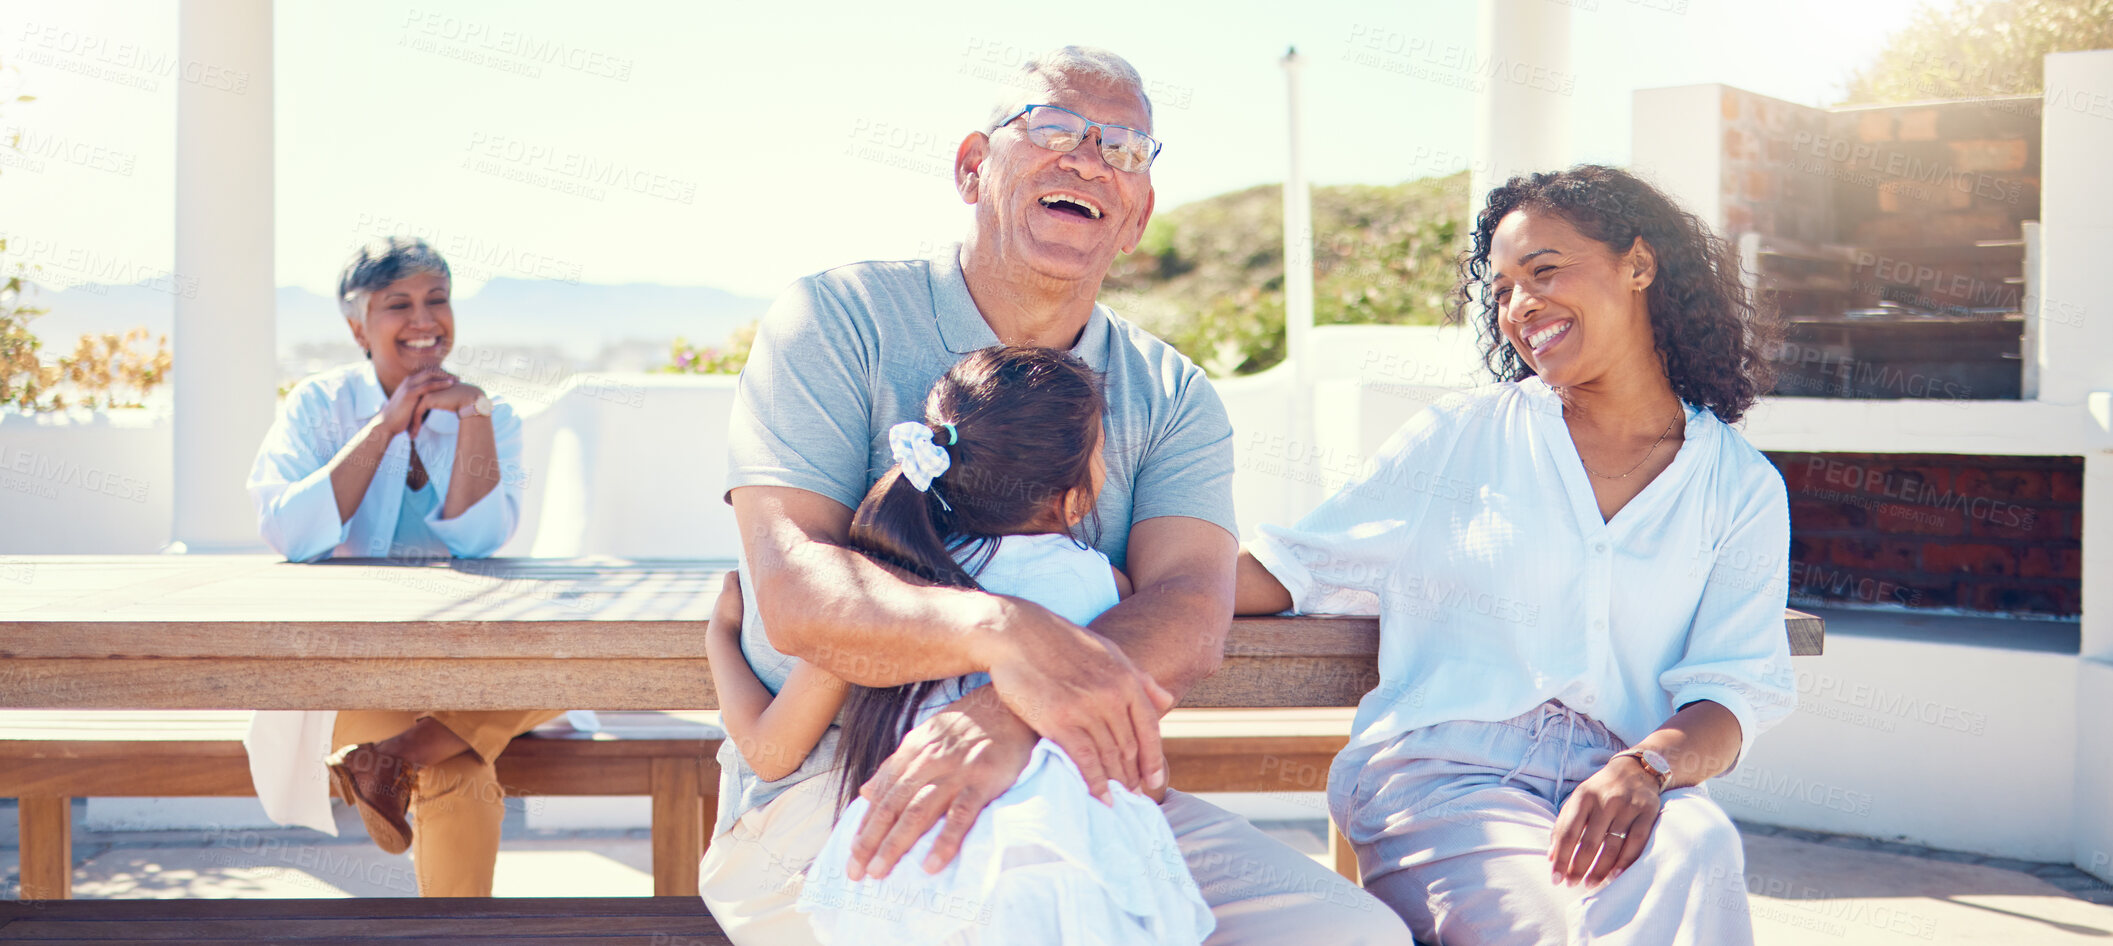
{"type": "Point", "coordinates": [950, 767]}
{"type": "Point", "coordinates": [1080, 691]}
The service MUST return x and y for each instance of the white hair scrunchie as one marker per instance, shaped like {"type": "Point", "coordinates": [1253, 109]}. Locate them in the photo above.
{"type": "Point", "coordinates": [922, 460]}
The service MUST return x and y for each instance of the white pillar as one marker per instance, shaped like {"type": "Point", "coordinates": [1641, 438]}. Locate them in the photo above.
{"type": "Point", "coordinates": [1298, 232]}
{"type": "Point", "coordinates": [2074, 341]}
{"type": "Point", "coordinates": [1298, 276]}
{"type": "Point", "coordinates": [2074, 328]}
{"type": "Point", "coordinates": [1676, 141]}
{"type": "Point", "coordinates": [1522, 123]}
{"type": "Point", "coordinates": [2075, 325]}
{"type": "Point", "coordinates": [225, 372]}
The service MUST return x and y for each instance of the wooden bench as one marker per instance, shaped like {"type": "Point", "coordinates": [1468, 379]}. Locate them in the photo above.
{"type": "Point", "coordinates": [596, 921]}
{"type": "Point", "coordinates": [49, 757]}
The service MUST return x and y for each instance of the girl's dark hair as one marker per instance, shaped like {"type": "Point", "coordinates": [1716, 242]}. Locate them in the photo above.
{"type": "Point", "coordinates": [1027, 422]}
{"type": "Point", "coordinates": [1712, 340]}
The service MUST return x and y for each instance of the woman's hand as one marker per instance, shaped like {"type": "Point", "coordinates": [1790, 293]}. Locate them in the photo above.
{"type": "Point", "coordinates": [452, 398]}
{"type": "Point", "coordinates": [1605, 824]}
{"type": "Point", "coordinates": [406, 408]}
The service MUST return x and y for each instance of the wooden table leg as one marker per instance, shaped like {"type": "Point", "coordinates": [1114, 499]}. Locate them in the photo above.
{"type": "Point", "coordinates": [47, 847]}
{"type": "Point", "coordinates": [1340, 852]}
{"type": "Point", "coordinates": [678, 826]}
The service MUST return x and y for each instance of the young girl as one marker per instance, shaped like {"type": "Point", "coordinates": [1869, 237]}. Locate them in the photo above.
{"type": "Point", "coordinates": [986, 493]}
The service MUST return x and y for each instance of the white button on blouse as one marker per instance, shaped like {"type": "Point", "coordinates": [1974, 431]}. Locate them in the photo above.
{"type": "Point", "coordinates": [1469, 535]}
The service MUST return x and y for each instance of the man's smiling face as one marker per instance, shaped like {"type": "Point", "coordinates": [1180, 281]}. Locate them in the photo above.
{"type": "Point", "coordinates": [1063, 215]}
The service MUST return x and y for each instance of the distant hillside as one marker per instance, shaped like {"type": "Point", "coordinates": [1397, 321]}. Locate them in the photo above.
{"type": "Point", "coordinates": [1209, 275]}
{"type": "Point", "coordinates": [582, 327]}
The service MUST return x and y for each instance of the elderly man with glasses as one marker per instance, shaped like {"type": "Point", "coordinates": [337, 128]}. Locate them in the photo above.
{"type": "Point", "coordinates": [845, 354]}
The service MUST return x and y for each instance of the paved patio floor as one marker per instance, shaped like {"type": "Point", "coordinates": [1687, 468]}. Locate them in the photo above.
{"type": "Point", "coordinates": [1805, 887]}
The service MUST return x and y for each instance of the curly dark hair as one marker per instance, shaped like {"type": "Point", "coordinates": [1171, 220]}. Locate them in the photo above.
{"type": "Point", "coordinates": [1712, 340]}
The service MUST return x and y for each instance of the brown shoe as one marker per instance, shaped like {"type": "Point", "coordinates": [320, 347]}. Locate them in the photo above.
{"type": "Point", "coordinates": [383, 810]}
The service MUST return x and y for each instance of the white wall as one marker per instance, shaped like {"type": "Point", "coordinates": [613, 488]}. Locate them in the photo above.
{"type": "Point", "coordinates": [1676, 141]}
{"type": "Point", "coordinates": [2093, 849]}
{"type": "Point", "coordinates": [1372, 379]}
{"type": "Point", "coordinates": [1952, 746]}
{"type": "Point", "coordinates": [82, 482]}
{"type": "Point", "coordinates": [629, 465]}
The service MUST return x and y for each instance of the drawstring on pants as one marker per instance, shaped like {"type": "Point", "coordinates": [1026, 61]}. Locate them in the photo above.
{"type": "Point", "coordinates": [1549, 712]}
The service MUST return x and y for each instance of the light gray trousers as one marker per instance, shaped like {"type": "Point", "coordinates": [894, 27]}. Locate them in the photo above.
{"type": "Point", "coordinates": [1451, 824]}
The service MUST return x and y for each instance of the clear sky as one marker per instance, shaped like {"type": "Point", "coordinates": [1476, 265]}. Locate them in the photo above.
{"type": "Point", "coordinates": [740, 145]}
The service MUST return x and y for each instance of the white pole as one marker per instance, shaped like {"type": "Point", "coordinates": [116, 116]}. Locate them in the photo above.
{"type": "Point", "coordinates": [1522, 121]}
{"type": "Point", "coordinates": [225, 354]}
{"type": "Point", "coordinates": [1298, 235]}
{"type": "Point", "coordinates": [1299, 493]}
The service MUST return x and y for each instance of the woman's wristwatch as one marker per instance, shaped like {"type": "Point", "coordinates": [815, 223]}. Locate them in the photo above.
{"type": "Point", "coordinates": [1653, 763]}
{"type": "Point", "coordinates": [481, 407]}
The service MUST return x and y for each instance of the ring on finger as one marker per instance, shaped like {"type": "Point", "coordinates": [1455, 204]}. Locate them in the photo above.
{"type": "Point", "coordinates": [1616, 834]}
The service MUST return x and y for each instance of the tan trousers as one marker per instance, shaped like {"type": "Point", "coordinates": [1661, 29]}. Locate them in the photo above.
{"type": "Point", "coordinates": [1259, 889]}
{"type": "Point", "coordinates": [457, 805]}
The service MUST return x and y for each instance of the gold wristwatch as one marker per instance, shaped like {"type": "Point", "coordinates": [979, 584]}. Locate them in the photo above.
{"type": "Point", "coordinates": [1653, 763]}
{"type": "Point", "coordinates": [481, 407]}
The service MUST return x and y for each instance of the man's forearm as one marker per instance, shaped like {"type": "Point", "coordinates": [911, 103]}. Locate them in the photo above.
{"type": "Point", "coordinates": [839, 610]}
{"type": "Point", "coordinates": [1173, 629]}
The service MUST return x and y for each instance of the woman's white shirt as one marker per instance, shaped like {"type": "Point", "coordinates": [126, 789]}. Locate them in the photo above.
{"type": "Point", "coordinates": [297, 514]}
{"type": "Point", "coordinates": [1476, 538]}
{"type": "Point", "coordinates": [297, 511]}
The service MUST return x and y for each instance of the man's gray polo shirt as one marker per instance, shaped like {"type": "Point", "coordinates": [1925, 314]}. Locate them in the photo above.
{"type": "Point", "coordinates": [847, 353]}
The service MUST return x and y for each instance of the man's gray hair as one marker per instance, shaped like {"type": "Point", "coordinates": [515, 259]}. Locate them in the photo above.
{"type": "Point", "coordinates": [1069, 61]}
{"type": "Point", "coordinates": [374, 266]}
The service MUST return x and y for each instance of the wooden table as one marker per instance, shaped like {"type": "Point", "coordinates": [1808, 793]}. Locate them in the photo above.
{"type": "Point", "coordinates": [253, 632]}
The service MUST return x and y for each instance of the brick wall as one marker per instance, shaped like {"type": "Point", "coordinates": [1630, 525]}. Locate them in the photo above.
{"type": "Point", "coordinates": [1936, 174]}
{"type": "Point", "coordinates": [1768, 186]}
{"type": "Point", "coordinates": [1989, 534]}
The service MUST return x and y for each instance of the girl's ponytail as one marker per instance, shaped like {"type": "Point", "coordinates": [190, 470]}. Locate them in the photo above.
{"type": "Point", "coordinates": [900, 525]}
{"type": "Point", "coordinates": [906, 527]}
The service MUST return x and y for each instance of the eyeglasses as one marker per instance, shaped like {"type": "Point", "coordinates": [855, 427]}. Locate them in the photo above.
{"type": "Point", "coordinates": [1063, 130]}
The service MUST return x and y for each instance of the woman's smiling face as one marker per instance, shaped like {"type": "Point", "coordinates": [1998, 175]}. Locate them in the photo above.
{"type": "Point", "coordinates": [1572, 308]}
{"type": "Point", "coordinates": [409, 326]}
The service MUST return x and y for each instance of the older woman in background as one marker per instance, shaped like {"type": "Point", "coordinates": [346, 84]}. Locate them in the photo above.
{"type": "Point", "coordinates": [1580, 575]}
{"type": "Point", "coordinates": [393, 457]}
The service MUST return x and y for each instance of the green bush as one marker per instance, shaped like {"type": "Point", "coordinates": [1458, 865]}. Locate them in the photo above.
{"type": "Point", "coordinates": [1209, 276]}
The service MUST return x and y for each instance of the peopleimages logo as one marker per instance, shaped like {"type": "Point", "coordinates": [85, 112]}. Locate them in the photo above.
{"type": "Point", "coordinates": [45, 472]}
{"type": "Point", "coordinates": [1857, 478]}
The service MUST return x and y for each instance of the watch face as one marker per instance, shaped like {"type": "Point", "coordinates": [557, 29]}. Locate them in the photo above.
{"type": "Point", "coordinates": [1656, 761]}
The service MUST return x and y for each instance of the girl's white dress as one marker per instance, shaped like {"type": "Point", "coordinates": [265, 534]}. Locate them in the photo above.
{"type": "Point", "coordinates": [1046, 862]}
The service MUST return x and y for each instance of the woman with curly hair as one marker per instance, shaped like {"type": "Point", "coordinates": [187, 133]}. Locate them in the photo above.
{"type": "Point", "coordinates": [1580, 575]}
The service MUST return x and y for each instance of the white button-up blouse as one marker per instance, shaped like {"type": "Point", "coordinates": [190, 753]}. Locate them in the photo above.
{"type": "Point", "coordinates": [297, 513]}
{"type": "Point", "coordinates": [1475, 537]}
